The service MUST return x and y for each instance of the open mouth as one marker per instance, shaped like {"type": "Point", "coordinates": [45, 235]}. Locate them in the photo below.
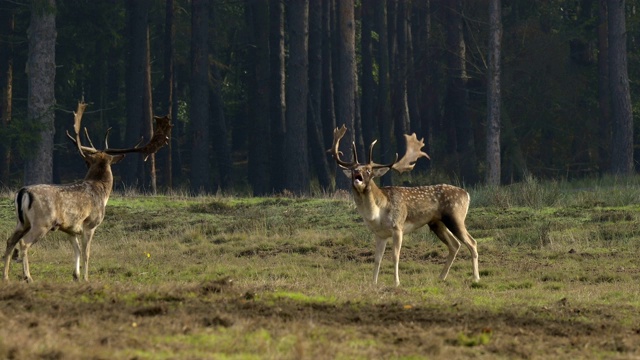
{"type": "Point", "coordinates": [358, 177]}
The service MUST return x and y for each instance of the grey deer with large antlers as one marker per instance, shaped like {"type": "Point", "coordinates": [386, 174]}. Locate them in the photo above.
{"type": "Point", "coordinates": [390, 212]}
{"type": "Point", "coordinates": [78, 208]}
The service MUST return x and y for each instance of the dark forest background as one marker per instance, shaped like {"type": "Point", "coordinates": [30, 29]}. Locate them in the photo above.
{"type": "Point", "coordinates": [255, 88]}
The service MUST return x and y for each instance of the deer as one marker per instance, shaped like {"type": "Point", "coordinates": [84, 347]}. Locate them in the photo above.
{"type": "Point", "coordinates": [77, 208]}
{"type": "Point", "coordinates": [392, 211]}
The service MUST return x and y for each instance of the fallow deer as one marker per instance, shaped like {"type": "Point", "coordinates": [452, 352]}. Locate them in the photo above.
{"type": "Point", "coordinates": [390, 212]}
{"type": "Point", "coordinates": [77, 208]}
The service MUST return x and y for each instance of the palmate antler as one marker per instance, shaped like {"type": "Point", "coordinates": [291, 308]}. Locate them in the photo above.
{"type": "Point", "coordinates": [412, 155]}
{"type": "Point", "coordinates": [406, 163]}
{"type": "Point", "coordinates": [160, 137]}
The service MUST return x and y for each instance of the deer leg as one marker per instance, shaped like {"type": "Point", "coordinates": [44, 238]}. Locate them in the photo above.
{"type": "Point", "coordinates": [397, 244]}
{"type": "Point", "coordinates": [460, 231]}
{"type": "Point", "coordinates": [87, 236]}
{"type": "Point", "coordinates": [30, 238]}
{"type": "Point", "coordinates": [76, 252]}
{"type": "Point", "coordinates": [381, 244]}
{"type": "Point", "coordinates": [448, 239]}
{"type": "Point", "coordinates": [18, 233]}
{"type": "Point", "coordinates": [24, 247]}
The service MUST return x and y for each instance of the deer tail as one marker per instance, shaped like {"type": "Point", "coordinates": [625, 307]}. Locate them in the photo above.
{"type": "Point", "coordinates": [20, 203]}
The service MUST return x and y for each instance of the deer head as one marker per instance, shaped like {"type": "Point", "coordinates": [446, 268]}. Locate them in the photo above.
{"type": "Point", "coordinates": [362, 174]}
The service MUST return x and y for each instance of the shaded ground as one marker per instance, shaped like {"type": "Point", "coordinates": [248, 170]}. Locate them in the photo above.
{"type": "Point", "coordinates": [103, 321]}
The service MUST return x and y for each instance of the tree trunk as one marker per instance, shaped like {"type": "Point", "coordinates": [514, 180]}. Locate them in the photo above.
{"type": "Point", "coordinates": [41, 68]}
{"type": "Point", "coordinates": [219, 133]}
{"type": "Point", "coordinates": [277, 94]}
{"type": "Point", "coordinates": [346, 80]}
{"type": "Point", "coordinates": [367, 80]}
{"type": "Point", "coordinates": [7, 21]}
{"type": "Point", "coordinates": [622, 146]}
{"type": "Point", "coordinates": [314, 120]}
{"type": "Point", "coordinates": [164, 157]}
{"type": "Point", "coordinates": [460, 134]}
{"type": "Point", "coordinates": [384, 108]}
{"type": "Point", "coordinates": [492, 177]}
{"type": "Point", "coordinates": [399, 103]}
{"type": "Point", "coordinates": [136, 63]}
{"type": "Point", "coordinates": [413, 79]}
{"type": "Point", "coordinates": [200, 164]}
{"type": "Point", "coordinates": [297, 89]}
{"type": "Point", "coordinates": [258, 96]}
{"type": "Point", "coordinates": [148, 168]}
{"type": "Point", "coordinates": [328, 111]}
{"type": "Point", "coordinates": [604, 123]}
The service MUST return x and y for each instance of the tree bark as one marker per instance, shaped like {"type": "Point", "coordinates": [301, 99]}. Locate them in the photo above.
{"type": "Point", "coordinates": [460, 134]}
{"type": "Point", "coordinates": [7, 21]}
{"type": "Point", "coordinates": [138, 12]}
{"type": "Point", "coordinates": [277, 94]}
{"type": "Point", "coordinates": [328, 111]}
{"type": "Point", "coordinates": [219, 133]}
{"type": "Point", "coordinates": [384, 108]}
{"type": "Point", "coordinates": [622, 146]}
{"type": "Point", "coordinates": [314, 119]}
{"type": "Point", "coordinates": [164, 155]}
{"type": "Point", "coordinates": [297, 90]}
{"type": "Point", "coordinates": [148, 168]}
{"type": "Point", "coordinates": [492, 176]}
{"type": "Point", "coordinates": [346, 84]}
{"type": "Point", "coordinates": [200, 164]}
{"type": "Point", "coordinates": [399, 104]}
{"type": "Point", "coordinates": [41, 68]}
{"type": "Point", "coordinates": [367, 80]}
{"type": "Point", "coordinates": [258, 96]}
{"type": "Point", "coordinates": [604, 124]}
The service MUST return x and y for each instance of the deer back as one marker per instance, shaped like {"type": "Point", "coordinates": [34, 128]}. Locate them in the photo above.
{"type": "Point", "coordinates": [69, 207]}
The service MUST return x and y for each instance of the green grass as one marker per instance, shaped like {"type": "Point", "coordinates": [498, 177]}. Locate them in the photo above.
{"type": "Point", "coordinates": [277, 277]}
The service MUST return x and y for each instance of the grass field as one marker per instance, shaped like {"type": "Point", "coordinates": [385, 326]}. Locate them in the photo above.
{"type": "Point", "coordinates": [177, 277]}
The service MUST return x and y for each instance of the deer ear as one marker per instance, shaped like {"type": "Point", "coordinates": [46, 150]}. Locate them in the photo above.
{"type": "Point", "coordinates": [117, 158]}
{"type": "Point", "coordinates": [347, 173]}
{"type": "Point", "coordinates": [380, 171]}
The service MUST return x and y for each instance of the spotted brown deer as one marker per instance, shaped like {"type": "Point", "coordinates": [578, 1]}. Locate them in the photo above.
{"type": "Point", "coordinates": [390, 212]}
{"type": "Point", "coordinates": [78, 208]}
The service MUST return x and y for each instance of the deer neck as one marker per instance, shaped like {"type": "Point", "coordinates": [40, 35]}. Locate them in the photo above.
{"type": "Point", "coordinates": [370, 201]}
{"type": "Point", "coordinates": [101, 178]}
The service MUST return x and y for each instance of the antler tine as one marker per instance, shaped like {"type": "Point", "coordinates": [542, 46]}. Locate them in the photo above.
{"type": "Point", "coordinates": [355, 152]}
{"type": "Point", "coordinates": [77, 119]}
{"type": "Point", "coordinates": [412, 155]}
{"type": "Point", "coordinates": [106, 138]}
{"type": "Point", "coordinates": [86, 134]}
{"type": "Point", "coordinates": [160, 138]}
{"type": "Point", "coordinates": [338, 133]}
{"type": "Point", "coordinates": [374, 165]}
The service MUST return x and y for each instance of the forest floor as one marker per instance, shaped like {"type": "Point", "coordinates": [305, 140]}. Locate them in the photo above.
{"type": "Point", "coordinates": [175, 277]}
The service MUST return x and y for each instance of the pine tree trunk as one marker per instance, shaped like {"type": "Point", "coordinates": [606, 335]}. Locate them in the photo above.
{"type": "Point", "coordinates": [493, 94]}
{"type": "Point", "coordinates": [7, 21]}
{"type": "Point", "coordinates": [277, 94]}
{"type": "Point", "coordinates": [41, 68]}
{"type": "Point", "coordinates": [297, 90]}
{"type": "Point", "coordinates": [138, 12]}
{"type": "Point", "coordinates": [622, 148]}
{"type": "Point", "coordinates": [258, 106]}
{"type": "Point", "coordinates": [384, 108]}
{"type": "Point", "coordinates": [200, 164]}
{"type": "Point", "coordinates": [314, 120]}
